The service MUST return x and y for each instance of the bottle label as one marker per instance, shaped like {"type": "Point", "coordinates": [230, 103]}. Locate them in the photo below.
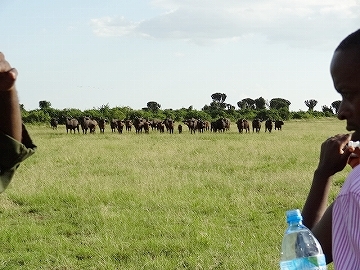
{"type": "Point", "coordinates": [307, 263]}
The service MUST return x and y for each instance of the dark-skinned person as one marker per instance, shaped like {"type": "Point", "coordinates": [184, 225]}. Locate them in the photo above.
{"type": "Point", "coordinates": [337, 226]}
{"type": "Point", "coordinates": [15, 142]}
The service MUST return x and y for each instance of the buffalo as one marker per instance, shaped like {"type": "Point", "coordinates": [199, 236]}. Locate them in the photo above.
{"type": "Point", "coordinates": [139, 124]}
{"type": "Point", "coordinates": [128, 125]}
{"type": "Point", "coordinates": [246, 125]}
{"type": "Point", "coordinates": [169, 124]}
{"type": "Point", "coordinates": [146, 126]}
{"type": "Point", "coordinates": [161, 127]}
{"type": "Point", "coordinates": [102, 123]}
{"type": "Point", "coordinates": [256, 125]}
{"type": "Point", "coordinates": [113, 124]}
{"type": "Point", "coordinates": [54, 123]}
{"type": "Point", "coordinates": [243, 124]}
{"type": "Point", "coordinates": [268, 125]}
{"type": "Point", "coordinates": [92, 126]}
{"type": "Point", "coordinates": [201, 125]}
{"type": "Point", "coordinates": [120, 126]}
{"type": "Point", "coordinates": [220, 125]}
{"type": "Point", "coordinates": [227, 124]}
{"type": "Point", "coordinates": [207, 125]}
{"type": "Point", "coordinates": [72, 124]}
{"type": "Point", "coordinates": [278, 124]}
{"type": "Point", "coordinates": [85, 122]}
{"type": "Point", "coordinates": [192, 124]}
{"type": "Point", "coordinates": [154, 123]}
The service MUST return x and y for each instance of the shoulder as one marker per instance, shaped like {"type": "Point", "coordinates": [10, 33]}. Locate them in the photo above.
{"type": "Point", "coordinates": [352, 182]}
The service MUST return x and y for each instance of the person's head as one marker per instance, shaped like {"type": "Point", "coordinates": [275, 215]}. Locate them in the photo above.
{"type": "Point", "coordinates": [345, 72]}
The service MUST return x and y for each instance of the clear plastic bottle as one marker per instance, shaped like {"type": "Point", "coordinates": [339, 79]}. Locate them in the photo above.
{"type": "Point", "coordinates": [300, 249]}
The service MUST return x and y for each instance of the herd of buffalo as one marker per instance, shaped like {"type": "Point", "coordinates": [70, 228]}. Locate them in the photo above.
{"type": "Point", "coordinates": [141, 124]}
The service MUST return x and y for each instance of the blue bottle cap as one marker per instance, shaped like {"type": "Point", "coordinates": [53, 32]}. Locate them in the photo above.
{"type": "Point", "coordinates": [293, 215]}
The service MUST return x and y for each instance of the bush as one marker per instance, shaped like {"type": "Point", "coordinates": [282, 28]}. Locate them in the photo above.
{"type": "Point", "coordinates": [36, 116]}
{"type": "Point", "coordinates": [301, 115]}
{"type": "Point", "coordinates": [208, 113]}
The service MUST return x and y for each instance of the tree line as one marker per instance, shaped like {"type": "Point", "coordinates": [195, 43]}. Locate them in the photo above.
{"type": "Point", "coordinates": [275, 109]}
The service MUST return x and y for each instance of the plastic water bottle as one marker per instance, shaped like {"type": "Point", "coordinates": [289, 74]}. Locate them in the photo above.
{"type": "Point", "coordinates": [300, 249]}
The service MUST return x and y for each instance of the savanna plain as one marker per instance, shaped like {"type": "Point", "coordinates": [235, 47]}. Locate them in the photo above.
{"type": "Point", "coordinates": [159, 201]}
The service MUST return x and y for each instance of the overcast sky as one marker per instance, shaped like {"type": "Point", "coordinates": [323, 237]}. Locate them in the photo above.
{"type": "Point", "coordinates": [85, 54]}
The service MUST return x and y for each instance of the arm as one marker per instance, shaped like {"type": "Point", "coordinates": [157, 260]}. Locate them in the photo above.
{"type": "Point", "coordinates": [15, 143]}
{"type": "Point", "coordinates": [317, 200]}
{"type": "Point", "coordinates": [316, 213]}
{"type": "Point", "coordinates": [10, 116]}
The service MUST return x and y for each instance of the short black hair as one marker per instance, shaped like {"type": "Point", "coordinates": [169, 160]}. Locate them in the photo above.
{"type": "Point", "coordinates": [351, 41]}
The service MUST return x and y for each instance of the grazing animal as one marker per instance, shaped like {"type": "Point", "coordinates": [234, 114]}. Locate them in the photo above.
{"type": "Point", "coordinates": [161, 127]}
{"type": "Point", "coordinates": [192, 124]}
{"type": "Point", "coordinates": [207, 125]}
{"type": "Point", "coordinates": [54, 123]}
{"type": "Point", "coordinates": [200, 125]}
{"type": "Point", "coordinates": [113, 124]}
{"type": "Point", "coordinates": [84, 122]}
{"type": "Point", "coordinates": [102, 123]}
{"type": "Point", "coordinates": [154, 123]}
{"type": "Point", "coordinates": [268, 125]}
{"type": "Point", "coordinates": [220, 125]}
{"type": "Point", "coordinates": [243, 124]}
{"type": "Point", "coordinates": [146, 126]}
{"type": "Point", "coordinates": [256, 125]}
{"type": "Point", "coordinates": [120, 126]}
{"type": "Point", "coordinates": [169, 125]}
{"type": "Point", "coordinates": [180, 128]}
{"type": "Point", "coordinates": [128, 125]}
{"type": "Point", "coordinates": [72, 124]}
{"type": "Point", "coordinates": [246, 125]}
{"type": "Point", "coordinates": [278, 124]}
{"type": "Point", "coordinates": [212, 126]}
{"type": "Point", "coordinates": [227, 124]}
{"type": "Point", "coordinates": [240, 125]}
{"type": "Point", "coordinates": [139, 124]}
{"type": "Point", "coordinates": [92, 126]}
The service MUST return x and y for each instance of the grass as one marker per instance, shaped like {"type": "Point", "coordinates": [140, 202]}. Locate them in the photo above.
{"type": "Point", "coordinates": [159, 201]}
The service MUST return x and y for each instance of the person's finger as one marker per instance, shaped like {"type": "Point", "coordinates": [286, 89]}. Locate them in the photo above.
{"type": "Point", "coordinates": [345, 139]}
{"type": "Point", "coordinates": [14, 73]}
{"type": "Point", "coordinates": [4, 66]}
{"type": "Point", "coordinates": [7, 79]}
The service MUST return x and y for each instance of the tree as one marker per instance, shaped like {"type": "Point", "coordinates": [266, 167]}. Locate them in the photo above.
{"type": "Point", "coordinates": [217, 105]}
{"type": "Point", "coordinates": [246, 103]}
{"type": "Point", "coordinates": [153, 106]}
{"type": "Point", "coordinates": [43, 104]}
{"type": "Point", "coordinates": [269, 114]}
{"type": "Point", "coordinates": [260, 103]}
{"type": "Point", "coordinates": [36, 116]}
{"type": "Point", "coordinates": [103, 112]}
{"type": "Point", "coordinates": [327, 109]}
{"type": "Point", "coordinates": [278, 103]}
{"type": "Point", "coordinates": [336, 105]}
{"type": "Point", "coordinates": [230, 107]}
{"type": "Point", "coordinates": [218, 97]}
{"type": "Point", "coordinates": [241, 104]}
{"type": "Point", "coordinates": [311, 103]}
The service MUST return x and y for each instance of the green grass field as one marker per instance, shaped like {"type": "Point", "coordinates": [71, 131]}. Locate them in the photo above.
{"type": "Point", "coordinates": [159, 201]}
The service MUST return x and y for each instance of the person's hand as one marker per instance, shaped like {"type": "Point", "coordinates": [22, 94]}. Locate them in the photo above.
{"type": "Point", "coordinates": [354, 158]}
{"type": "Point", "coordinates": [334, 154]}
{"type": "Point", "coordinates": [7, 75]}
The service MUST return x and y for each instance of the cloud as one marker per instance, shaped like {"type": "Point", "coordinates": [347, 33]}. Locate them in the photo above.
{"type": "Point", "coordinates": [117, 26]}
{"type": "Point", "coordinates": [297, 23]}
